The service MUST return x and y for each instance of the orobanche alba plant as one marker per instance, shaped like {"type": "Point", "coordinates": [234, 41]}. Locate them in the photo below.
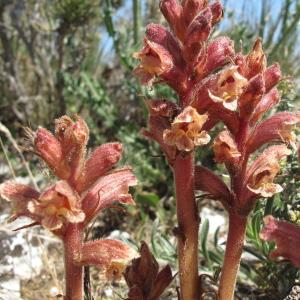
{"type": "Point", "coordinates": [86, 185]}
{"type": "Point", "coordinates": [213, 84]}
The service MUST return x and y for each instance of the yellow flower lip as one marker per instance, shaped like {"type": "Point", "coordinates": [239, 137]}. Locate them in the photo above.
{"type": "Point", "coordinates": [186, 130]}
{"type": "Point", "coordinates": [230, 86]}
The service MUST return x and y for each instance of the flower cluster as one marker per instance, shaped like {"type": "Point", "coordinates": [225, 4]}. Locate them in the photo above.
{"type": "Point", "coordinates": [214, 84]}
{"type": "Point", "coordinates": [184, 58]}
{"type": "Point", "coordinates": [87, 184]}
{"type": "Point", "coordinates": [245, 91]}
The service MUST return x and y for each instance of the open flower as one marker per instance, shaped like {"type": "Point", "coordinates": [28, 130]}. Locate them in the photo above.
{"type": "Point", "coordinates": [264, 170]}
{"type": "Point", "coordinates": [186, 130]}
{"type": "Point", "coordinates": [52, 208]}
{"type": "Point", "coordinates": [262, 180]}
{"type": "Point", "coordinates": [154, 61]}
{"type": "Point", "coordinates": [286, 236]}
{"type": "Point", "coordinates": [225, 148]}
{"type": "Point", "coordinates": [57, 205]}
{"type": "Point", "coordinates": [230, 86]}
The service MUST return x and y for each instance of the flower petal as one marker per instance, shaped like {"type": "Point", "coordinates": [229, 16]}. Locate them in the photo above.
{"type": "Point", "coordinates": [256, 60]}
{"type": "Point", "coordinates": [162, 108]}
{"type": "Point", "coordinates": [20, 195]}
{"type": "Point", "coordinates": [267, 190]}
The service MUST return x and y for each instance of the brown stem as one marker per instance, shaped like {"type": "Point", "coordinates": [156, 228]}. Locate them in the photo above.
{"type": "Point", "coordinates": [233, 253]}
{"type": "Point", "coordinates": [188, 223]}
{"type": "Point", "coordinates": [74, 274]}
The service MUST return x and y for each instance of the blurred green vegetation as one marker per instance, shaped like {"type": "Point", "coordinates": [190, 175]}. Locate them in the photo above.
{"type": "Point", "coordinates": [73, 56]}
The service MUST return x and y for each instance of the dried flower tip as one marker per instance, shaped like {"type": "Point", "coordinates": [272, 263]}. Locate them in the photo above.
{"type": "Point", "coordinates": [256, 60]}
{"type": "Point", "coordinates": [225, 148]}
{"type": "Point", "coordinates": [286, 236]}
{"type": "Point", "coordinates": [71, 133]}
{"type": "Point", "coordinates": [230, 86]}
{"type": "Point", "coordinates": [56, 206]}
{"type": "Point", "coordinates": [186, 130]}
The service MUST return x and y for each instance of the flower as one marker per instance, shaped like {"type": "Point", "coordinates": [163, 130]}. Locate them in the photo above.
{"type": "Point", "coordinates": [264, 169]}
{"type": "Point", "coordinates": [286, 236]}
{"type": "Point", "coordinates": [279, 127]}
{"type": "Point", "coordinates": [57, 205]}
{"type": "Point", "coordinates": [155, 60]}
{"type": "Point", "coordinates": [186, 130]}
{"type": "Point", "coordinates": [89, 184]}
{"type": "Point", "coordinates": [225, 148]}
{"type": "Point", "coordinates": [111, 256]}
{"type": "Point", "coordinates": [230, 86]}
{"type": "Point", "coordinates": [52, 208]}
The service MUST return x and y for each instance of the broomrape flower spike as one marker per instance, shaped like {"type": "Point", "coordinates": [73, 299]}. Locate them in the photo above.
{"type": "Point", "coordinates": [213, 84]}
{"type": "Point", "coordinates": [87, 185]}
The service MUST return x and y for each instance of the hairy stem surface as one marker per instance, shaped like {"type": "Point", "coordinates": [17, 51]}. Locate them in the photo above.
{"type": "Point", "coordinates": [233, 253]}
{"type": "Point", "coordinates": [188, 223]}
{"type": "Point", "coordinates": [73, 273]}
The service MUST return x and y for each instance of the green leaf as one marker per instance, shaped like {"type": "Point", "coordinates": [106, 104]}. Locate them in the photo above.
{"type": "Point", "coordinates": [147, 198]}
{"type": "Point", "coordinates": [203, 240]}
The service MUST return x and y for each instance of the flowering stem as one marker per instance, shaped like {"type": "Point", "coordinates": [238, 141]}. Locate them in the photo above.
{"type": "Point", "coordinates": [188, 223]}
{"type": "Point", "coordinates": [74, 274]}
{"type": "Point", "coordinates": [233, 253]}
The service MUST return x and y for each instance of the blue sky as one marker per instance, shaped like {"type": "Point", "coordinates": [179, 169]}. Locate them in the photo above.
{"type": "Point", "coordinates": [247, 8]}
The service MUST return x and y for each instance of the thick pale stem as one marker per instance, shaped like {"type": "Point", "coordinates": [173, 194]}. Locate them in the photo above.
{"type": "Point", "coordinates": [233, 253]}
{"type": "Point", "coordinates": [188, 222]}
{"type": "Point", "coordinates": [74, 274]}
